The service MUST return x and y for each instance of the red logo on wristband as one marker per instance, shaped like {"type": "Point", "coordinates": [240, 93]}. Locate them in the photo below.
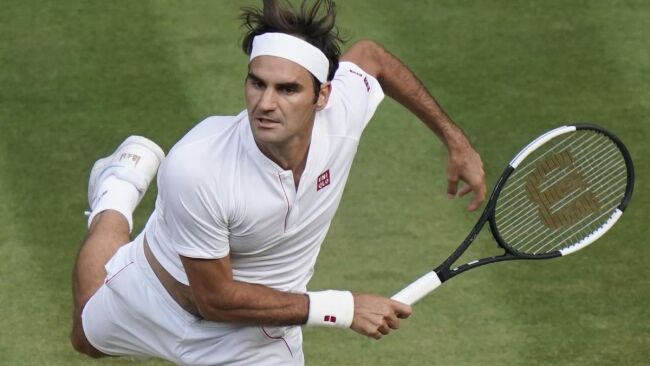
{"type": "Point", "coordinates": [329, 319]}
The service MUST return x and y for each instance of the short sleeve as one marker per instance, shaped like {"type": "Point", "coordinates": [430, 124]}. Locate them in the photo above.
{"type": "Point", "coordinates": [355, 96]}
{"type": "Point", "coordinates": [196, 223]}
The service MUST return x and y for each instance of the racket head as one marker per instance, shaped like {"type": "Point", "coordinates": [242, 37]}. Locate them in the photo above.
{"type": "Point", "coordinates": [562, 192]}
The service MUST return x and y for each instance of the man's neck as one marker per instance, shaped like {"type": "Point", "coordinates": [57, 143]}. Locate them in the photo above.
{"type": "Point", "coordinates": [291, 156]}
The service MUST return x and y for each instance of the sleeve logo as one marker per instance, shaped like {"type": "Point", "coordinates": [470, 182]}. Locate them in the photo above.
{"type": "Point", "coordinates": [365, 79]}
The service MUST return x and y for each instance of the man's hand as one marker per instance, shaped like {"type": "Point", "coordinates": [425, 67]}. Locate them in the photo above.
{"type": "Point", "coordinates": [375, 316]}
{"type": "Point", "coordinates": [464, 164]}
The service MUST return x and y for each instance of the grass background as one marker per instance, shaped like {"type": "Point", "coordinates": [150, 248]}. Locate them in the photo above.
{"type": "Point", "coordinates": [77, 77]}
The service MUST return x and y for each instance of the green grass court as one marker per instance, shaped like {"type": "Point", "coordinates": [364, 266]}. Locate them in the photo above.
{"type": "Point", "coordinates": [77, 77]}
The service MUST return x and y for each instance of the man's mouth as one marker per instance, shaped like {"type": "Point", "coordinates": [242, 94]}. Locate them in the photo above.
{"type": "Point", "coordinates": [266, 122]}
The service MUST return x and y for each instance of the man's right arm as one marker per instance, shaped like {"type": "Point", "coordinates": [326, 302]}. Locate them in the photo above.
{"type": "Point", "coordinates": [218, 297]}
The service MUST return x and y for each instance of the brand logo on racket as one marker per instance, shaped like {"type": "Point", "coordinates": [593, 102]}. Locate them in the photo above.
{"type": "Point", "coordinates": [558, 188]}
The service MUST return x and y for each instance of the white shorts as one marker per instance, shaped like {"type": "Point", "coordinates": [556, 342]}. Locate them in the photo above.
{"type": "Point", "coordinates": [132, 314]}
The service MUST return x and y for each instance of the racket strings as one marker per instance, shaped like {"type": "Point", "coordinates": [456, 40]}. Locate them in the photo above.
{"type": "Point", "coordinates": [561, 193]}
{"type": "Point", "coordinates": [520, 197]}
{"type": "Point", "coordinates": [523, 171]}
{"type": "Point", "coordinates": [572, 234]}
{"type": "Point", "coordinates": [506, 199]}
{"type": "Point", "coordinates": [515, 208]}
{"type": "Point", "coordinates": [545, 237]}
{"type": "Point", "coordinates": [512, 221]}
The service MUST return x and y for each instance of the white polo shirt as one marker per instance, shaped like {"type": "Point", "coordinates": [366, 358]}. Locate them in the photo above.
{"type": "Point", "coordinates": [219, 195]}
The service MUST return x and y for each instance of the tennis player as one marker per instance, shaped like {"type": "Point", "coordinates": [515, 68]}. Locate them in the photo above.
{"type": "Point", "coordinates": [219, 274]}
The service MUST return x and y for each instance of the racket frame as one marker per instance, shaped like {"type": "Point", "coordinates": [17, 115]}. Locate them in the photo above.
{"type": "Point", "coordinates": [431, 280]}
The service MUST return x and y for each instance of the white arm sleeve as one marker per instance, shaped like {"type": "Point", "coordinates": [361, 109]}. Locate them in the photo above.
{"type": "Point", "coordinates": [196, 221]}
{"type": "Point", "coordinates": [357, 93]}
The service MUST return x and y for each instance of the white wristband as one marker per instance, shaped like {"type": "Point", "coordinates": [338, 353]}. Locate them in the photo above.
{"type": "Point", "coordinates": [331, 308]}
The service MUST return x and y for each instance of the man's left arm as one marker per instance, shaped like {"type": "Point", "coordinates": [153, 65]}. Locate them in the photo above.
{"type": "Point", "coordinates": [398, 82]}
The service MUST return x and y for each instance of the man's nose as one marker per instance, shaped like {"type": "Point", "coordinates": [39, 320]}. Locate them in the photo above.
{"type": "Point", "coordinates": [268, 100]}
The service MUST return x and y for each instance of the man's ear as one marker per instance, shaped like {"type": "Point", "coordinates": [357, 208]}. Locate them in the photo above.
{"type": "Point", "coordinates": [323, 95]}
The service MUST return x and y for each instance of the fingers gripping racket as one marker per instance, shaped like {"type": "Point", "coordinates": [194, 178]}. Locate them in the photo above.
{"type": "Point", "coordinates": [558, 195]}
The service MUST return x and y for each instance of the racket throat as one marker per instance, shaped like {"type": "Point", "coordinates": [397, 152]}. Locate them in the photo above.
{"type": "Point", "coordinates": [445, 274]}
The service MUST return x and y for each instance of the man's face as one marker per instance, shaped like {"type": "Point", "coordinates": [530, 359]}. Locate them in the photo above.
{"type": "Point", "coordinates": [280, 100]}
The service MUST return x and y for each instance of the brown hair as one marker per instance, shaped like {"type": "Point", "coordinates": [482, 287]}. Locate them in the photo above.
{"type": "Point", "coordinates": [305, 23]}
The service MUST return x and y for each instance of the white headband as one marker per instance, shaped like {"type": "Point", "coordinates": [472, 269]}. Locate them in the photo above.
{"type": "Point", "coordinates": [293, 49]}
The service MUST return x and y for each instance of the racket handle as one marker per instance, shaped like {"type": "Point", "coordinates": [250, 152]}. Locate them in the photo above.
{"type": "Point", "coordinates": [418, 289]}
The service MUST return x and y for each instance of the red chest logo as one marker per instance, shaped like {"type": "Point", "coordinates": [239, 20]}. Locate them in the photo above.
{"type": "Point", "coordinates": [323, 180]}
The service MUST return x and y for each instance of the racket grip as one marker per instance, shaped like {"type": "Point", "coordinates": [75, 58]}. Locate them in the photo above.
{"type": "Point", "coordinates": [418, 289]}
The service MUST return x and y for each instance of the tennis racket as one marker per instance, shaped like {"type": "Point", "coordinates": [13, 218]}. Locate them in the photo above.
{"type": "Point", "coordinates": [559, 194]}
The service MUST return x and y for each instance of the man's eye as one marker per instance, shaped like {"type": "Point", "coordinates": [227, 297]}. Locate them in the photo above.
{"type": "Point", "coordinates": [288, 90]}
{"type": "Point", "coordinates": [257, 84]}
